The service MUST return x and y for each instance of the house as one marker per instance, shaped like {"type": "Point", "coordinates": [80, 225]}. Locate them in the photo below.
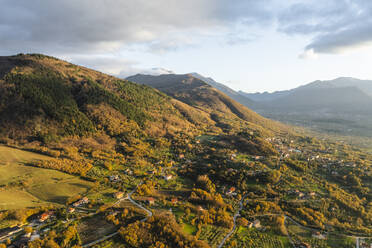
{"type": "Point", "coordinates": [231, 191]}
{"type": "Point", "coordinates": [118, 195]}
{"type": "Point", "coordinates": [150, 201]}
{"type": "Point", "coordinates": [114, 178]}
{"type": "Point", "coordinates": [318, 235]}
{"type": "Point", "coordinates": [168, 177]}
{"type": "Point", "coordinates": [200, 208]}
{"type": "Point", "coordinates": [27, 235]}
{"type": "Point", "coordinates": [45, 216]}
{"type": "Point", "coordinates": [257, 224]}
{"type": "Point", "coordinates": [80, 202]}
{"type": "Point", "coordinates": [34, 237]}
{"type": "Point", "coordinates": [257, 158]}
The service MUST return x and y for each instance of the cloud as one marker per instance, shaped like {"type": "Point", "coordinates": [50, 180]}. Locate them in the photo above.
{"type": "Point", "coordinates": [109, 26]}
{"type": "Point", "coordinates": [336, 26]}
{"type": "Point", "coordinates": [87, 26]}
{"type": "Point", "coordinates": [115, 66]}
{"type": "Point", "coordinates": [308, 54]}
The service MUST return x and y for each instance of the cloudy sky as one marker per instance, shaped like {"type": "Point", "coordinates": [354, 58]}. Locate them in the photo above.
{"type": "Point", "coordinates": [252, 45]}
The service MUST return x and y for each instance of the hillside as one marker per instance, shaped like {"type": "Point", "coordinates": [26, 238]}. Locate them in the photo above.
{"type": "Point", "coordinates": [226, 90]}
{"type": "Point", "coordinates": [43, 98]}
{"type": "Point", "coordinates": [199, 94]}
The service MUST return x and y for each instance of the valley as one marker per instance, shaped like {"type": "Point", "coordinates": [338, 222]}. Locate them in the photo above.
{"type": "Point", "coordinates": [116, 163]}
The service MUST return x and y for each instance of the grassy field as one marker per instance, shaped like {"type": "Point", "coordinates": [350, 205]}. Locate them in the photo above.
{"type": "Point", "coordinates": [25, 186]}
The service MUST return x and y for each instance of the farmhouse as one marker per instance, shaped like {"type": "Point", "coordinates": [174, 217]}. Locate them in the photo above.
{"type": "Point", "coordinates": [118, 195]}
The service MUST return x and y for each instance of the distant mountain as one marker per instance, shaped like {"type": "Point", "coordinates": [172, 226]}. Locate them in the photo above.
{"type": "Point", "coordinates": [363, 85]}
{"type": "Point", "coordinates": [197, 93]}
{"type": "Point", "coordinates": [228, 91]}
{"type": "Point", "coordinates": [342, 105]}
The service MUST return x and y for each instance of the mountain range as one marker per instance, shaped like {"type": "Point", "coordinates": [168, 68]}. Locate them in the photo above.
{"type": "Point", "coordinates": [339, 106]}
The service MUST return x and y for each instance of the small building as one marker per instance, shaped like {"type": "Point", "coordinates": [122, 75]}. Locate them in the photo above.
{"type": "Point", "coordinates": [168, 177]}
{"type": "Point", "coordinates": [200, 208]}
{"type": "Point", "coordinates": [257, 224]}
{"type": "Point", "coordinates": [45, 216]}
{"type": "Point", "coordinates": [181, 156]}
{"type": "Point", "coordinates": [128, 172]}
{"type": "Point", "coordinates": [80, 202]}
{"type": "Point", "coordinates": [118, 195]}
{"type": "Point", "coordinates": [34, 237]}
{"type": "Point", "coordinates": [318, 235]}
{"type": "Point", "coordinates": [231, 191]}
{"type": "Point", "coordinates": [174, 200]}
{"type": "Point", "coordinates": [150, 201]}
{"type": "Point", "coordinates": [70, 210]}
{"type": "Point", "coordinates": [114, 178]}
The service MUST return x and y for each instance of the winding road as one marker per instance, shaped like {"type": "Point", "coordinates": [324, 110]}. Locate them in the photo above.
{"type": "Point", "coordinates": [236, 215]}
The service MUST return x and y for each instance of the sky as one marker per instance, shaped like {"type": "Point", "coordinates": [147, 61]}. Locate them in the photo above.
{"type": "Point", "coordinates": [249, 45]}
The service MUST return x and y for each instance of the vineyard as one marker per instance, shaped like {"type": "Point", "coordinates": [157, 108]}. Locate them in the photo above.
{"type": "Point", "coordinates": [256, 239]}
{"type": "Point", "coordinates": [213, 234]}
{"type": "Point", "coordinates": [299, 234]}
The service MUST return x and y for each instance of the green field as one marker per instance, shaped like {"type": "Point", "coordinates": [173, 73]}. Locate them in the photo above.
{"type": "Point", "coordinates": [25, 186]}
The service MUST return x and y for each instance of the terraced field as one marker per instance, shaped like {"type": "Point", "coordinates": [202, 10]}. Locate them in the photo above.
{"type": "Point", "coordinates": [25, 186]}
